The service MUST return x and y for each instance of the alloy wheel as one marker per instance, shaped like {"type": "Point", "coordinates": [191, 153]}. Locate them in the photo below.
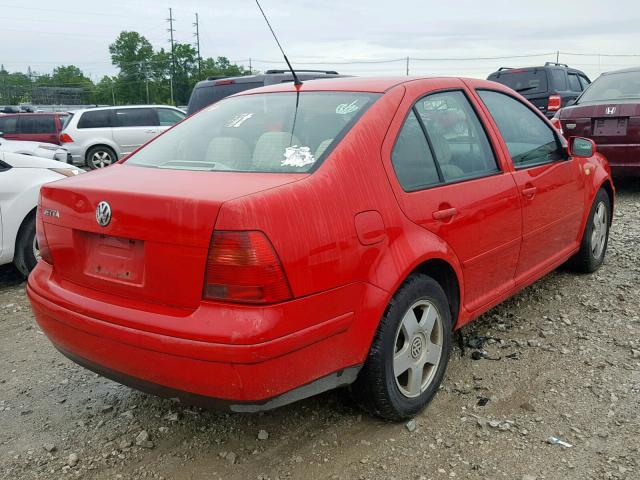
{"type": "Point", "coordinates": [418, 348]}
{"type": "Point", "coordinates": [101, 159]}
{"type": "Point", "coordinates": [599, 232]}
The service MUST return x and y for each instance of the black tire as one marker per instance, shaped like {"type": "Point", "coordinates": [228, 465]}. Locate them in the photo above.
{"type": "Point", "coordinates": [24, 257]}
{"type": "Point", "coordinates": [100, 156]}
{"type": "Point", "coordinates": [589, 259]}
{"type": "Point", "coordinates": [376, 388]}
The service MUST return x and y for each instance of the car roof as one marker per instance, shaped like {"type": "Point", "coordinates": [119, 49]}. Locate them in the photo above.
{"type": "Point", "coordinates": [358, 84]}
{"type": "Point", "coordinates": [624, 70]}
{"type": "Point", "coordinates": [119, 107]}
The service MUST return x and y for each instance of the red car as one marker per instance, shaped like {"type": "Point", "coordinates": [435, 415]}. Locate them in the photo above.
{"type": "Point", "coordinates": [35, 127]}
{"type": "Point", "coordinates": [609, 113]}
{"type": "Point", "coordinates": [285, 241]}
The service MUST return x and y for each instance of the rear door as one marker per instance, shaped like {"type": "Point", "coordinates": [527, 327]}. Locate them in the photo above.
{"type": "Point", "coordinates": [551, 184]}
{"type": "Point", "coordinates": [37, 128]}
{"type": "Point", "coordinates": [133, 127]}
{"type": "Point", "coordinates": [451, 183]}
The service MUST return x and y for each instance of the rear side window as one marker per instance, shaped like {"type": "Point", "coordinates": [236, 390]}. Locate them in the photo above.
{"type": "Point", "coordinates": [95, 119]}
{"type": "Point", "coordinates": [523, 81]}
{"type": "Point", "coordinates": [574, 83]}
{"type": "Point", "coordinates": [412, 159]}
{"type": "Point", "coordinates": [456, 135]}
{"type": "Point", "coordinates": [65, 119]}
{"type": "Point", "coordinates": [8, 124]}
{"type": "Point", "coordinates": [529, 139]}
{"type": "Point", "coordinates": [168, 117]}
{"type": "Point", "coordinates": [275, 132]}
{"type": "Point", "coordinates": [136, 117]}
{"type": "Point", "coordinates": [584, 81]}
{"type": "Point", "coordinates": [32, 124]}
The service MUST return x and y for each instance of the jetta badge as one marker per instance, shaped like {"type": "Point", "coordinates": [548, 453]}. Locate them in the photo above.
{"type": "Point", "coordinates": [103, 214]}
{"type": "Point", "coordinates": [610, 110]}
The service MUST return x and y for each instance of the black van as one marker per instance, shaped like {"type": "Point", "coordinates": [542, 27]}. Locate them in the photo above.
{"type": "Point", "coordinates": [549, 88]}
{"type": "Point", "coordinates": [213, 89]}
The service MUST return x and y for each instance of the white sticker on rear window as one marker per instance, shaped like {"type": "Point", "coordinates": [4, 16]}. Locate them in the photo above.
{"type": "Point", "coordinates": [238, 120]}
{"type": "Point", "coordinates": [346, 108]}
{"type": "Point", "coordinates": [296, 156]}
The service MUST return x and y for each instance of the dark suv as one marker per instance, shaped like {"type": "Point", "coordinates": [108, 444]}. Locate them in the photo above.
{"type": "Point", "coordinates": [213, 89]}
{"type": "Point", "coordinates": [549, 88]}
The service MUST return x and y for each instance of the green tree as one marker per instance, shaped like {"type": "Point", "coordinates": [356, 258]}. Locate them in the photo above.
{"type": "Point", "coordinates": [132, 54]}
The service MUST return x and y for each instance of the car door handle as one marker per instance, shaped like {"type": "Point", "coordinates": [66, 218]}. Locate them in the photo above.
{"type": "Point", "coordinates": [529, 192]}
{"type": "Point", "coordinates": [151, 130]}
{"type": "Point", "coordinates": [445, 215]}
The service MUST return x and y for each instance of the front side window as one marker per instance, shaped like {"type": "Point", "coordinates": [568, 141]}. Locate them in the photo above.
{"type": "Point", "coordinates": [274, 132]}
{"type": "Point", "coordinates": [136, 117]}
{"type": "Point", "coordinates": [168, 117]}
{"type": "Point", "coordinates": [95, 119]}
{"type": "Point", "coordinates": [529, 139]}
{"type": "Point", "coordinates": [456, 135]}
{"type": "Point", "coordinates": [412, 159]}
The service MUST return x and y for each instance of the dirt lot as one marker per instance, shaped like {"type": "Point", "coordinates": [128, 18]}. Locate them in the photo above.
{"type": "Point", "coordinates": [567, 365]}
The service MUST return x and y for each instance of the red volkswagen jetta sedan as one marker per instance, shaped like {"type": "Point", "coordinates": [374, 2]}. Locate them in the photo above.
{"type": "Point", "coordinates": [287, 240]}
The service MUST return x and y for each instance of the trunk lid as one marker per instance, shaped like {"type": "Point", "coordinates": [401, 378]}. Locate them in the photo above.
{"type": "Point", "coordinates": [154, 248]}
{"type": "Point", "coordinates": [605, 123]}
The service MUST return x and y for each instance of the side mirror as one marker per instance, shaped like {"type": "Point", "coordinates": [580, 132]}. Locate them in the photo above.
{"type": "Point", "coordinates": [1, 134]}
{"type": "Point", "coordinates": [581, 147]}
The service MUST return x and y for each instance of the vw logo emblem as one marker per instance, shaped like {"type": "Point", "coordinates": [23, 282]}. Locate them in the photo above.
{"type": "Point", "coordinates": [610, 110]}
{"type": "Point", "coordinates": [103, 214]}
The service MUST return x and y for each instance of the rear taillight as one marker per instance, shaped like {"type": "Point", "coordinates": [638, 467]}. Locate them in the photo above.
{"type": "Point", "coordinates": [242, 266]}
{"type": "Point", "coordinates": [65, 138]}
{"type": "Point", "coordinates": [554, 103]}
{"type": "Point", "coordinates": [43, 245]}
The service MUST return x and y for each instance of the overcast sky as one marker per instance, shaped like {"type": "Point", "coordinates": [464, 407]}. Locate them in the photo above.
{"type": "Point", "coordinates": [42, 34]}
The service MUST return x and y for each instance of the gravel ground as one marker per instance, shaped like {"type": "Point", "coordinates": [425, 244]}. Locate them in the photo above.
{"type": "Point", "coordinates": [566, 364]}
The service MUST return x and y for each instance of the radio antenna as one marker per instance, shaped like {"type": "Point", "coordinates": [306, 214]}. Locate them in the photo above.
{"type": "Point", "coordinates": [296, 80]}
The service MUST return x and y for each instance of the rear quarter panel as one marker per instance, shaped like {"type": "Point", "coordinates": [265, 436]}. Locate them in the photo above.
{"type": "Point", "coordinates": [311, 223]}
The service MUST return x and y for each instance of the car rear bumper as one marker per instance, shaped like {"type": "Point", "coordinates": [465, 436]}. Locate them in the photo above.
{"type": "Point", "coordinates": [245, 376]}
{"type": "Point", "coordinates": [624, 159]}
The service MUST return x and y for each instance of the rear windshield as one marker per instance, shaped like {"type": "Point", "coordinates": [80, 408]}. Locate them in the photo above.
{"type": "Point", "coordinates": [523, 81]}
{"type": "Point", "coordinates": [275, 132]}
{"type": "Point", "coordinates": [615, 86]}
{"type": "Point", "coordinates": [208, 94]}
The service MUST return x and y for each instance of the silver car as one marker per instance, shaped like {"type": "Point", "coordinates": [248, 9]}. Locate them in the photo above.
{"type": "Point", "coordinates": [99, 137]}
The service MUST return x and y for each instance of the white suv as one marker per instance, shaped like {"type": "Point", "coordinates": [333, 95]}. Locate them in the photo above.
{"type": "Point", "coordinates": [99, 137]}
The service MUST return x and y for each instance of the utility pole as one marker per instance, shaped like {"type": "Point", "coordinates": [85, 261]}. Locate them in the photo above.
{"type": "Point", "coordinates": [197, 35]}
{"type": "Point", "coordinates": [171, 30]}
{"type": "Point", "coordinates": [146, 82]}
{"type": "Point", "coordinates": [407, 66]}
{"type": "Point", "coordinates": [250, 69]}
{"type": "Point", "coordinates": [558, 56]}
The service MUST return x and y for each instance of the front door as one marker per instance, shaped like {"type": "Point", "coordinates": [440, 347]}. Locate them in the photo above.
{"type": "Point", "coordinates": [453, 186]}
{"type": "Point", "coordinates": [551, 184]}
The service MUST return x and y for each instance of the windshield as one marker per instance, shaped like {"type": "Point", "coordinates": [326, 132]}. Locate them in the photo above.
{"type": "Point", "coordinates": [615, 86]}
{"type": "Point", "coordinates": [523, 81]}
{"type": "Point", "coordinates": [274, 132]}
